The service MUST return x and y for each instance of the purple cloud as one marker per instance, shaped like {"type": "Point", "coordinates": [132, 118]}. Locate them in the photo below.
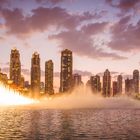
{"type": "Point", "coordinates": [43, 19]}
{"type": "Point", "coordinates": [50, 1]}
{"type": "Point", "coordinates": [83, 73]}
{"type": "Point", "coordinates": [114, 73]}
{"type": "Point", "coordinates": [125, 36]}
{"type": "Point", "coordinates": [94, 28]}
{"type": "Point", "coordinates": [4, 2]}
{"type": "Point", "coordinates": [81, 42]}
{"type": "Point", "coordinates": [125, 5]}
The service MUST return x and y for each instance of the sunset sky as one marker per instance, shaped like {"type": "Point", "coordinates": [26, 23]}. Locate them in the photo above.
{"type": "Point", "coordinates": [101, 33]}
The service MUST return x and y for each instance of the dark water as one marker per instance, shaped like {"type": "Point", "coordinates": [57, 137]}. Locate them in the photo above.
{"type": "Point", "coordinates": [76, 124]}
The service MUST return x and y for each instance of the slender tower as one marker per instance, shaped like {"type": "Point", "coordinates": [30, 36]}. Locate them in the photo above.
{"type": "Point", "coordinates": [77, 80]}
{"type": "Point", "coordinates": [127, 86]}
{"type": "Point", "coordinates": [95, 83]}
{"type": "Point", "coordinates": [115, 88]}
{"type": "Point", "coordinates": [136, 81]}
{"type": "Point", "coordinates": [15, 67]}
{"type": "Point", "coordinates": [49, 77]}
{"type": "Point", "coordinates": [35, 75]}
{"type": "Point", "coordinates": [107, 84]}
{"type": "Point", "coordinates": [66, 71]}
{"type": "Point", "coordinates": [119, 84]}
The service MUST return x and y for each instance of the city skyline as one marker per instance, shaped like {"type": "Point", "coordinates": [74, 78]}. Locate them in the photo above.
{"type": "Point", "coordinates": [91, 29]}
{"type": "Point", "coordinates": [56, 73]}
{"type": "Point", "coordinates": [106, 84]}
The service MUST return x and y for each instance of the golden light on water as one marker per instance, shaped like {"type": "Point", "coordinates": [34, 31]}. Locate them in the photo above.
{"type": "Point", "coordinates": [10, 97]}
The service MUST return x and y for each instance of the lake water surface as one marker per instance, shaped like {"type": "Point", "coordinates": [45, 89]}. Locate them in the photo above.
{"type": "Point", "coordinates": [69, 124]}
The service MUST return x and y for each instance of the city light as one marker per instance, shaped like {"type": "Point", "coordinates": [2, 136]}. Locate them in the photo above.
{"type": "Point", "coordinates": [10, 97]}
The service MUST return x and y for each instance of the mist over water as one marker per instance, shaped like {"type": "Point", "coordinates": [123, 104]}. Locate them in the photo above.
{"type": "Point", "coordinates": [83, 97]}
{"type": "Point", "coordinates": [80, 115]}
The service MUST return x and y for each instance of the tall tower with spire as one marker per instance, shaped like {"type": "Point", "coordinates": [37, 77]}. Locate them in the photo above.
{"type": "Point", "coordinates": [35, 75]}
{"type": "Point", "coordinates": [136, 81]}
{"type": "Point", "coordinates": [49, 77]}
{"type": "Point", "coordinates": [15, 67]}
{"type": "Point", "coordinates": [66, 71]}
{"type": "Point", "coordinates": [107, 84]}
{"type": "Point", "coordinates": [119, 84]}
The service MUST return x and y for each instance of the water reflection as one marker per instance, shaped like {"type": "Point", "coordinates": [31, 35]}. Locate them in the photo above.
{"type": "Point", "coordinates": [83, 124]}
{"type": "Point", "coordinates": [66, 125]}
{"type": "Point", "coordinates": [34, 125]}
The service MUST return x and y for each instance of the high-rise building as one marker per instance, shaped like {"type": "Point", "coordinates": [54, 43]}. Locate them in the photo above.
{"type": "Point", "coordinates": [94, 83]}
{"type": "Point", "coordinates": [3, 78]}
{"type": "Point", "coordinates": [107, 84]}
{"type": "Point", "coordinates": [35, 75]}
{"type": "Point", "coordinates": [129, 86]}
{"type": "Point", "coordinates": [15, 67]}
{"type": "Point", "coordinates": [77, 80]}
{"type": "Point", "coordinates": [27, 85]}
{"type": "Point", "coordinates": [49, 77]}
{"type": "Point", "coordinates": [136, 81]}
{"type": "Point", "coordinates": [22, 82]}
{"type": "Point", "coordinates": [115, 88]}
{"type": "Point", "coordinates": [66, 71]}
{"type": "Point", "coordinates": [119, 84]}
{"type": "Point", "coordinates": [42, 87]}
{"type": "Point", "coordinates": [132, 85]}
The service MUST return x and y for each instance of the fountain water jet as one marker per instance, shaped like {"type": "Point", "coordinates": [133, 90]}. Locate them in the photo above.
{"type": "Point", "coordinates": [11, 97]}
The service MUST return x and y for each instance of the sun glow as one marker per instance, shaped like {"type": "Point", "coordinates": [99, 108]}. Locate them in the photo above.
{"type": "Point", "coordinates": [10, 97]}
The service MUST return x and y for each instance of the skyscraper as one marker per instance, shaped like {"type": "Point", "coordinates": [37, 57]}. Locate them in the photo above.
{"type": "Point", "coordinates": [115, 88]}
{"type": "Point", "coordinates": [107, 84]}
{"type": "Point", "coordinates": [119, 84]}
{"type": "Point", "coordinates": [127, 86]}
{"type": "Point", "coordinates": [35, 75]}
{"type": "Point", "coordinates": [94, 83]}
{"type": "Point", "coordinates": [15, 67]}
{"type": "Point", "coordinates": [49, 77]}
{"type": "Point", "coordinates": [42, 88]}
{"type": "Point", "coordinates": [3, 78]}
{"type": "Point", "coordinates": [136, 81]}
{"type": "Point", "coordinates": [77, 80]}
{"type": "Point", "coordinates": [22, 82]}
{"type": "Point", "coordinates": [66, 71]}
{"type": "Point", "coordinates": [26, 84]}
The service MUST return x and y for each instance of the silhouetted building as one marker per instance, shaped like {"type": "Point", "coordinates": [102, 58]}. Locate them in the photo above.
{"type": "Point", "coordinates": [119, 84]}
{"type": "Point", "coordinates": [49, 77]}
{"type": "Point", "coordinates": [94, 83]}
{"type": "Point", "coordinates": [35, 75]}
{"type": "Point", "coordinates": [77, 80]}
{"type": "Point", "coordinates": [66, 71]}
{"type": "Point", "coordinates": [129, 86]}
{"type": "Point", "coordinates": [22, 82]}
{"type": "Point", "coordinates": [26, 84]}
{"type": "Point", "coordinates": [132, 85]}
{"type": "Point", "coordinates": [136, 81]}
{"type": "Point", "coordinates": [107, 84]}
{"type": "Point", "coordinates": [115, 88]}
{"type": "Point", "coordinates": [3, 78]}
{"type": "Point", "coordinates": [15, 67]}
{"type": "Point", "coordinates": [42, 87]}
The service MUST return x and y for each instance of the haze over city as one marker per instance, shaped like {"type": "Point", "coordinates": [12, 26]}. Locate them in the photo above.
{"type": "Point", "coordinates": [101, 35]}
